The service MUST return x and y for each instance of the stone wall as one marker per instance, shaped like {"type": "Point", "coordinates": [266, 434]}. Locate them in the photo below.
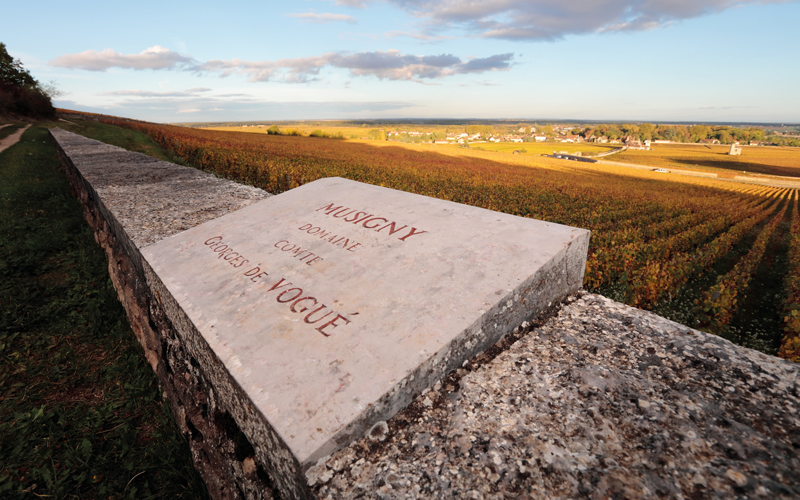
{"type": "Point", "coordinates": [594, 399]}
{"type": "Point", "coordinates": [131, 200]}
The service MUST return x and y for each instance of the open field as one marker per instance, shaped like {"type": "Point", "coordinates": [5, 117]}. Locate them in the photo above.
{"type": "Point", "coordinates": [347, 132]}
{"type": "Point", "coordinates": [711, 254]}
{"type": "Point", "coordinates": [544, 148]}
{"type": "Point", "coordinates": [764, 160]}
{"type": "Point", "coordinates": [81, 411]}
{"type": "Point", "coordinates": [531, 148]}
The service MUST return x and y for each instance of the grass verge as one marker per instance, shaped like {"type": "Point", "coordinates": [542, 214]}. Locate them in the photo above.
{"type": "Point", "coordinates": [81, 413]}
{"type": "Point", "coordinates": [129, 139]}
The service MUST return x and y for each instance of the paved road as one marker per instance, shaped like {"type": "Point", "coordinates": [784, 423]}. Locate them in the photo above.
{"type": "Point", "coordinates": [12, 139]}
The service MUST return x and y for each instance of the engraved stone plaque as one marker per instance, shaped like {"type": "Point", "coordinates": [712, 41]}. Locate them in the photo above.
{"type": "Point", "coordinates": [334, 304]}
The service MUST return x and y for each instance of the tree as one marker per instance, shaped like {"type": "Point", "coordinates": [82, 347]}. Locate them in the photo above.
{"type": "Point", "coordinates": [613, 132]}
{"type": "Point", "coordinates": [631, 129]}
{"type": "Point", "coordinates": [377, 134]}
{"type": "Point", "coordinates": [12, 72]}
{"type": "Point", "coordinates": [698, 132]}
{"type": "Point", "coordinates": [646, 131]}
{"type": "Point", "coordinates": [20, 93]}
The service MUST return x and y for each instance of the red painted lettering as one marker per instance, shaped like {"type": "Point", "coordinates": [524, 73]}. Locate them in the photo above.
{"type": "Point", "coordinates": [373, 219]}
{"type": "Point", "coordinates": [254, 279]}
{"type": "Point", "coordinates": [277, 286]}
{"type": "Point", "coordinates": [355, 220]}
{"type": "Point", "coordinates": [304, 257]}
{"type": "Point", "coordinates": [413, 232]}
{"type": "Point", "coordinates": [328, 209]}
{"type": "Point", "coordinates": [313, 260]}
{"type": "Point", "coordinates": [211, 240]}
{"type": "Point", "coordinates": [308, 316]}
{"type": "Point", "coordinates": [299, 293]}
{"type": "Point", "coordinates": [304, 309]}
{"type": "Point", "coordinates": [352, 248]}
{"type": "Point", "coordinates": [339, 214]}
{"type": "Point", "coordinates": [251, 272]}
{"type": "Point", "coordinates": [392, 229]}
{"type": "Point", "coordinates": [305, 226]}
{"type": "Point", "coordinates": [331, 323]}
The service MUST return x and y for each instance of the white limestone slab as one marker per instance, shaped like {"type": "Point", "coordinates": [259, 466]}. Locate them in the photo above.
{"type": "Point", "coordinates": [331, 319]}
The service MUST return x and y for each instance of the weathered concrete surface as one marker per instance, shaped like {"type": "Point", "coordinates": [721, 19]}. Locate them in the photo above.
{"type": "Point", "coordinates": [334, 304]}
{"type": "Point", "coordinates": [150, 198]}
{"type": "Point", "coordinates": [139, 200]}
{"type": "Point", "coordinates": [600, 401]}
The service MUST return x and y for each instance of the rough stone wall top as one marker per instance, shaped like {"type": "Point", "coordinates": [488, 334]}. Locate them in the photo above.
{"type": "Point", "coordinates": [153, 199]}
{"type": "Point", "coordinates": [601, 401]}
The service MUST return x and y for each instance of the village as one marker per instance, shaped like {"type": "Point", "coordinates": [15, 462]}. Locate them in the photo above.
{"type": "Point", "coordinates": [550, 133]}
{"type": "Point", "coordinates": [561, 134]}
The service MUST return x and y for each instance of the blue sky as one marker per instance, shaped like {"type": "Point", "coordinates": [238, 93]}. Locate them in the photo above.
{"type": "Point", "coordinates": [646, 60]}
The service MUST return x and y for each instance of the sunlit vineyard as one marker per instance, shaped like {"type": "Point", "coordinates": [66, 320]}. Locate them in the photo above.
{"type": "Point", "coordinates": [716, 255]}
{"type": "Point", "coordinates": [763, 160]}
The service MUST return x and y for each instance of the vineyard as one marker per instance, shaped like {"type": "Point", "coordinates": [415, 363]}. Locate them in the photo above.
{"type": "Point", "coordinates": [782, 161]}
{"type": "Point", "coordinates": [720, 256]}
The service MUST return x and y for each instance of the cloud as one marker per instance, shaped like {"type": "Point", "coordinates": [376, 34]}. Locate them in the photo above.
{"type": "Point", "coordinates": [533, 20]}
{"type": "Point", "coordinates": [155, 57]}
{"type": "Point", "coordinates": [417, 36]}
{"type": "Point", "coordinates": [215, 108]}
{"type": "Point", "coordinates": [492, 63]}
{"type": "Point", "coordinates": [149, 93]}
{"type": "Point", "coordinates": [323, 18]}
{"type": "Point", "coordinates": [360, 4]}
{"type": "Point", "coordinates": [389, 65]}
{"type": "Point", "coordinates": [727, 107]}
{"type": "Point", "coordinates": [485, 83]}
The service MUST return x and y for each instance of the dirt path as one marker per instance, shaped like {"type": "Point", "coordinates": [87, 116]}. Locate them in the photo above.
{"type": "Point", "coordinates": [12, 139]}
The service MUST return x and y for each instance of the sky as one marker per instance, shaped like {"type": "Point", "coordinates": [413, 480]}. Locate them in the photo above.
{"type": "Point", "coordinates": [628, 60]}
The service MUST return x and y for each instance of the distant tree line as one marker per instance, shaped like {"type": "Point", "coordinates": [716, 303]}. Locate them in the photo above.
{"type": "Point", "coordinates": [20, 93]}
{"type": "Point", "coordinates": [683, 133]}
{"type": "Point", "coordinates": [275, 130]}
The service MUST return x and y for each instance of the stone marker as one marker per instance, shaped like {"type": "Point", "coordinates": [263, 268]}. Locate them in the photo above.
{"type": "Point", "coordinates": [334, 304]}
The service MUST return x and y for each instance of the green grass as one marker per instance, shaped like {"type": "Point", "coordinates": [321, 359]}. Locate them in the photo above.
{"type": "Point", "coordinates": [81, 413]}
{"type": "Point", "coordinates": [131, 140]}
